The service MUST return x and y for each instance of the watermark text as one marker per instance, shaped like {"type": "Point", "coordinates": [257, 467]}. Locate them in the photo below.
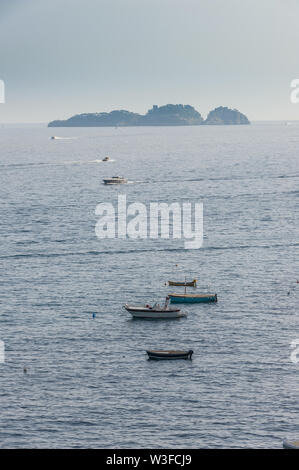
{"type": "Point", "coordinates": [2, 91]}
{"type": "Point", "coordinates": [2, 352]}
{"type": "Point", "coordinates": [158, 220]}
{"type": "Point", "coordinates": [295, 353]}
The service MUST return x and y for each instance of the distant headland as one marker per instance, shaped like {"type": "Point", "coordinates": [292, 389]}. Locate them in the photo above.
{"type": "Point", "coordinates": [168, 115]}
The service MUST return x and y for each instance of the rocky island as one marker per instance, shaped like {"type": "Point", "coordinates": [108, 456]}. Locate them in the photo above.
{"type": "Point", "coordinates": [168, 115]}
{"type": "Point", "coordinates": [221, 116]}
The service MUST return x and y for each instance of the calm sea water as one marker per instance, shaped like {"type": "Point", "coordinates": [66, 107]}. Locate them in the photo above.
{"type": "Point", "coordinates": [88, 382]}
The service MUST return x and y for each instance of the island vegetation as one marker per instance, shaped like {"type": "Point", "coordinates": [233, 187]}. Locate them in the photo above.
{"type": "Point", "coordinates": [167, 115]}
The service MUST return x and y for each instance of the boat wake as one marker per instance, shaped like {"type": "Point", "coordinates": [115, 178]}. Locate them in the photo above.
{"type": "Point", "coordinates": [55, 137]}
{"type": "Point", "coordinates": [140, 251]}
{"type": "Point", "coordinates": [101, 161]}
{"type": "Point", "coordinates": [33, 164]}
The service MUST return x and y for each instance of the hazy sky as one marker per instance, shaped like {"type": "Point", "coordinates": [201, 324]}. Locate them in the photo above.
{"type": "Point", "coordinates": [63, 57]}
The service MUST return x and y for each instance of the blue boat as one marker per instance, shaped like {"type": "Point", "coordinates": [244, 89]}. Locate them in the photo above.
{"type": "Point", "coordinates": [192, 298]}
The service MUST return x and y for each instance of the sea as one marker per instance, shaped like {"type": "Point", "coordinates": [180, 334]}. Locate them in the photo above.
{"type": "Point", "coordinates": [75, 372]}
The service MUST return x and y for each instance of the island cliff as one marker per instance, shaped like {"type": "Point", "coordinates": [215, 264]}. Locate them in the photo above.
{"type": "Point", "coordinates": [168, 115]}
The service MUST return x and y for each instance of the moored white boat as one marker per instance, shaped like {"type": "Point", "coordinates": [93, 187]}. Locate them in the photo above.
{"type": "Point", "coordinates": [155, 311]}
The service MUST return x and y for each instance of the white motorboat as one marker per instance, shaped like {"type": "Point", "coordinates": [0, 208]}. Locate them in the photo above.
{"type": "Point", "coordinates": [115, 180]}
{"type": "Point", "coordinates": [155, 311]}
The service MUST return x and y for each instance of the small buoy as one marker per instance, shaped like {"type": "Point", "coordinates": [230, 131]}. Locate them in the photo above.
{"type": "Point", "coordinates": [25, 370]}
{"type": "Point", "coordinates": [289, 293]}
{"type": "Point", "coordinates": [93, 315]}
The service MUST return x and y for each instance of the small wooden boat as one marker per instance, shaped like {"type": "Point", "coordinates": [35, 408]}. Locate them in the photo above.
{"type": "Point", "coordinates": [155, 311]}
{"type": "Point", "coordinates": [183, 284]}
{"type": "Point", "coordinates": [290, 444]}
{"type": "Point", "coordinates": [115, 180]}
{"type": "Point", "coordinates": [167, 355]}
{"type": "Point", "coordinates": [192, 298]}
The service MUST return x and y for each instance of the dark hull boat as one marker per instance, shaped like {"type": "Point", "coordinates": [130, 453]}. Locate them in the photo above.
{"type": "Point", "coordinates": [183, 284]}
{"type": "Point", "coordinates": [290, 444]}
{"type": "Point", "coordinates": [167, 355]}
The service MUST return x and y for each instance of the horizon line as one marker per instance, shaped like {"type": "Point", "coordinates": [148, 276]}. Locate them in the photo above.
{"type": "Point", "coordinates": [47, 122]}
